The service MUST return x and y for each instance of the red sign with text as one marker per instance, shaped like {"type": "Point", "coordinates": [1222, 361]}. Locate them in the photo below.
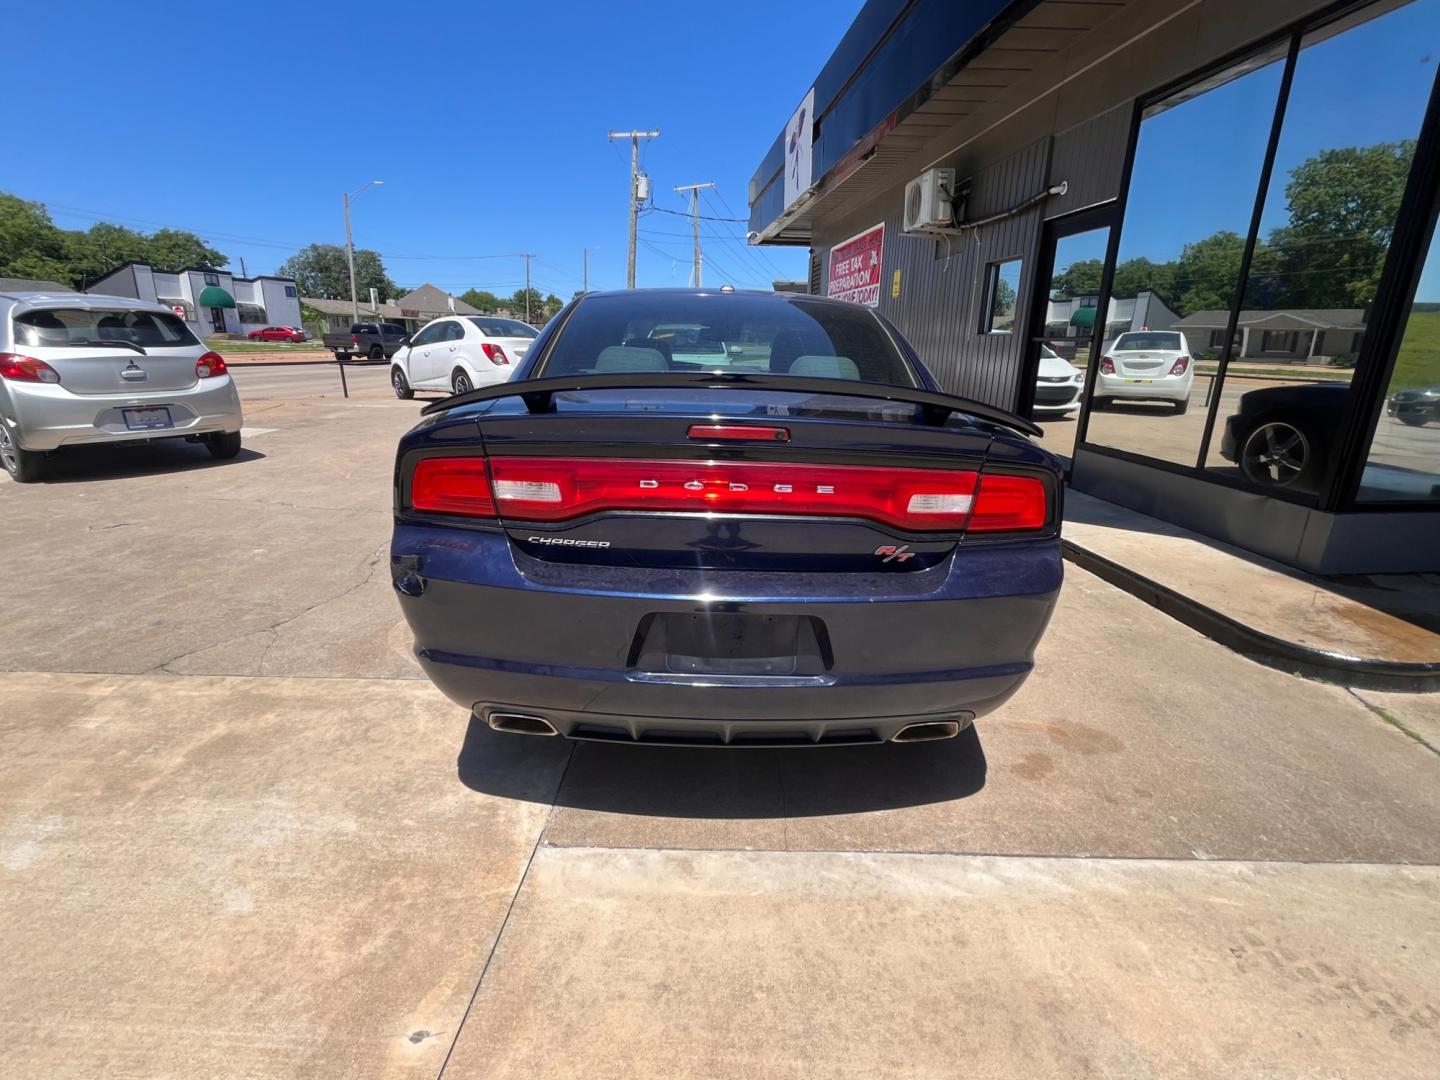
{"type": "Point", "coordinates": [855, 267]}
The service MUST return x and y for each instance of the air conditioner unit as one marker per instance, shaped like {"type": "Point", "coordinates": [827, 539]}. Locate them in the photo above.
{"type": "Point", "coordinates": [927, 200]}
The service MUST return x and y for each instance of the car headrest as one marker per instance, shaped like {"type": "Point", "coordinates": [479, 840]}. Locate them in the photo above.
{"type": "Point", "coordinates": [785, 349]}
{"type": "Point", "coordinates": [658, 344]}
{"type": "Point", "coordinates": [826, 367]}
{"type": "Point", "coordinates": [630, 358]}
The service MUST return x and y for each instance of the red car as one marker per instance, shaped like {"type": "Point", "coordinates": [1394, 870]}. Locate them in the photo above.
{"type": "Point", "coordinates": [278, 333]}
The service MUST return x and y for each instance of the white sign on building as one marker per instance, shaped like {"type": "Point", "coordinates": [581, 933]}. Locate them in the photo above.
{"type": "Point", "coordinates": [799, 141]}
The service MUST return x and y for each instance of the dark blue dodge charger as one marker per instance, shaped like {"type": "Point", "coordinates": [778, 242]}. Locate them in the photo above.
{"type": "Point", "coordinates": [724, 518]}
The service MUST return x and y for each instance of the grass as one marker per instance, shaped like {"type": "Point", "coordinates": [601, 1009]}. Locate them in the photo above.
{"type": "Point", "coordinates": [1316, 373]}
{"type": "Point", "coordinates": [1418, 363]}
{"type": "Point", "coordinates": [224, 345]}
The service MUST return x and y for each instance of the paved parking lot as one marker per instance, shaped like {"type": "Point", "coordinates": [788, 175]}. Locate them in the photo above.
{"type": "Point", "coordinates": [240, 836]}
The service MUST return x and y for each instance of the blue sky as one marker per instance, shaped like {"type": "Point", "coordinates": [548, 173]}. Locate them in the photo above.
{"type": "Point", "coordinates": [487, 123]}
{"type": "Point", "coordinates": [1197, 164]}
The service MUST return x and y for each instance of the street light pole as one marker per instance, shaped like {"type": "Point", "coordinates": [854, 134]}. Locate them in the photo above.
{"type": "Point", "coordinates": [350, 250]}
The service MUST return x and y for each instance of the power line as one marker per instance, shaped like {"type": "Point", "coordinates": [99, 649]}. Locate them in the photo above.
{"type": "Point", "coordinates": [759, 251]}
{"type": "Point", "coordinates": [652, 209]}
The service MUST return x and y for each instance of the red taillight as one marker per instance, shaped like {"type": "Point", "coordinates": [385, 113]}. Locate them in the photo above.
{"type": "Point", "coordinates": [210, 365]}
{"type": "Point", "coordinates": [354, 339]}
{"type": "Point", "coordinates": [494, 353]}
{"type": "Point", "coordinates": [560, 489]}
{"type": "Point", "coordinates": [1009, 504]}
{"type": "Point", "coordinates": [26, 369]}
{"type": "Point", "coordinates": [547, 489]}
{"type": "Point", "coordinates": [1107, 366]}
{"type": "Point", "coordinates": [452, 485]}
{"type": "Point", "coordinates": [1178, 368]}
{"type": "Point", "coordinates": [738, 433]}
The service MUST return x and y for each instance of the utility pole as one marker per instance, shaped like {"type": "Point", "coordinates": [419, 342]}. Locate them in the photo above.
{"type": "Point", "coordinates": [350, 249]}
{"type": "Point", "coordinates": [585, 267]}
{"type": "Point", "coordinates": [637, 195]}
{"type": "Point", "coordinates": [527, 257]}
{"type": "Point", "coordinates": [694, 190]}
{"type": "Point", "coordinates": [242, 267]}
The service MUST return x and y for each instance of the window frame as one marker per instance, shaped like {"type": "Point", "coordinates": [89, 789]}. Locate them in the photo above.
{"type": "Point", "coordinates": [1379, 344]}
{"type": "Point", "coordinates": [993, 270]}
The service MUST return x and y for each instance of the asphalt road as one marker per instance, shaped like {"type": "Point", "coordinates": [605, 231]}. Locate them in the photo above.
{"type": "Point", "coordinates": [240, 836]}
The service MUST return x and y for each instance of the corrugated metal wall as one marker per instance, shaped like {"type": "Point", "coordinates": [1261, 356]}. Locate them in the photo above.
{"type": "Point", "coordinates": [942, 283]}
{"type": "Point", "coordinates": [1090, 158]}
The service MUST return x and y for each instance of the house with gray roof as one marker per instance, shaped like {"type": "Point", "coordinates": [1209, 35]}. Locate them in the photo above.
{"type": "Point", "coordinates": [1307, 335]}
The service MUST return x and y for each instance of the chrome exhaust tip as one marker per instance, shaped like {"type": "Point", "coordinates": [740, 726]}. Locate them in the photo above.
{"type": "Point", "coordinates": [927, 731]}
{"type": "Point", "coordinates": [521, 724]}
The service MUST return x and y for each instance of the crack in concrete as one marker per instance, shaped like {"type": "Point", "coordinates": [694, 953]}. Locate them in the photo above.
{"type": "Point", "coordinates": [1394, 721]}
{"type": "Point", "coordinates": [371, 566]}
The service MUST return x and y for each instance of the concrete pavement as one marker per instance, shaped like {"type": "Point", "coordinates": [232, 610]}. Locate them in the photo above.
{"type": "Point", "coordinates": [251, 842]}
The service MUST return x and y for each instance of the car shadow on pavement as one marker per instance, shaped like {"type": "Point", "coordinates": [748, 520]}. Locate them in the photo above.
{"type": "Point", "coordinates": [717, 782]}
{"type": "Point", "coordinates": [83, 463]}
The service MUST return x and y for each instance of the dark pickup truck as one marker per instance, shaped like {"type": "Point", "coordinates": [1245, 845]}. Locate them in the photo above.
{"type": "Point", "coordinates": [374, 341]}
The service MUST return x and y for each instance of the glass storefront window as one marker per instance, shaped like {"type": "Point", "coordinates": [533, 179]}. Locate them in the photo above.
{"type": "Point", "coordinates": [1404, 460]}
{"type": "Point", "coordinates": [1340, 171]}
{"type": "Point", "coordinates": [1197, 167]}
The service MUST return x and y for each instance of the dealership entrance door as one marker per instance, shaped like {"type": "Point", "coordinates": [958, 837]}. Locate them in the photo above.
{"type": "Point", "coordinates": [1066, 324]}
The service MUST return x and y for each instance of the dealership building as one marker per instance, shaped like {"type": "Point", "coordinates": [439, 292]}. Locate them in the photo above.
{"type": "Point", "coordinates": [1248, 190]}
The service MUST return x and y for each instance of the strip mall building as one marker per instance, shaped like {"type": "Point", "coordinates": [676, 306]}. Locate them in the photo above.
{"type": "Point", "coordinates": [1258, 181]}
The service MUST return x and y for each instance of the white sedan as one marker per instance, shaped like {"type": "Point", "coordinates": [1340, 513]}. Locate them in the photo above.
{"type": "Point", "coordinates": [459, 353]}
{"type": "Point", "coordinates": [1147, 365]}
{"type": "Point", "coordinates": [1057, 385]}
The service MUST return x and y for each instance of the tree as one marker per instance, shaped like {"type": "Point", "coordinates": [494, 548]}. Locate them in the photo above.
{"type": "Point", "coordinates": [1080, 278]}
{"type": "Point", "coordinates": [321, 270]}
{"type": "Point", "coordinates": [481, 300]}
{"type": "Point", "coordinates": [537, 304]}
{"type": "Point", "coordinates": [1206, 273]}
{"type": "Point", "coordinates": [1134, 276]}
{"type": "Point", "coordinates": [30, 244]}
{"type": "Point", "coordinates": [1343, 204]}
{"type": "Point", "coordinates": [174, 249]}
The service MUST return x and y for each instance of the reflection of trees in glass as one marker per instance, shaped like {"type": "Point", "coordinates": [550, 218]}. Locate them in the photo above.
{"type": "Point", "coordinates": [1004, 298]}
{"type": "Point", "coordinates": [1342, 204]}
{"type": "Point", "coordinates": [1080, 278]}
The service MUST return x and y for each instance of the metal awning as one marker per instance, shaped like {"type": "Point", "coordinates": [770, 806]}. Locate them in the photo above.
{"type": "Point", "coordinates": [214, 296]}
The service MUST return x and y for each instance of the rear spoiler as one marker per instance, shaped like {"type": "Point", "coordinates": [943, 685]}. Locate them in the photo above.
{"type": "Point", "coordinates": [539, 394]}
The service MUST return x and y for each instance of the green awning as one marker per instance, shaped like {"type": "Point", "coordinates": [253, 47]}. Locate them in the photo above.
{"type": "Point", "coordinates": [1084, 316]}
{"type": "Point", "coordinates": [214, 296]}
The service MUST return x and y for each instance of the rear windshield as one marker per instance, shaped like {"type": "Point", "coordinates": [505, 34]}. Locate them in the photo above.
{"type": "Point", "coordinates": [645, 331]}
{"type": "Point", "coordinates": [1149, 339]}
{"type": "Point", "coordinates": [504, 327]}
{"type": "Point", "coordinates": [76, 326]}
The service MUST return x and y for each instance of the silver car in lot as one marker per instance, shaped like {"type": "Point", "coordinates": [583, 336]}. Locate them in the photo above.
{"type": "Point", "coordinates": [78, 369]}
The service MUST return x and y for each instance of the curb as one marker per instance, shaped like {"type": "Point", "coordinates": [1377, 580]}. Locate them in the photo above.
{"type": "Point", "coordinates": [1351, 671]}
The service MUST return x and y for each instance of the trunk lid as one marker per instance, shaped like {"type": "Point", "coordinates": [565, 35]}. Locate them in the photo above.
{"type": "Point", "coordinates": [99, 346]}
{"type": "Point", "coordinates": [101, 370]}
{"type": "Point", "coordinates": [515, 347]}
{"type": "Point", "coordinates": [831, 442]}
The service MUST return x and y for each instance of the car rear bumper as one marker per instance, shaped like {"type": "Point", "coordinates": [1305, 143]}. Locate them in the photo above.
{"type": "Point", "coordinates": [496, 630]}
{"type": "Point", "coordinates": [1145, 387]}
{"type": "Point", "coordinates": [46, 416]}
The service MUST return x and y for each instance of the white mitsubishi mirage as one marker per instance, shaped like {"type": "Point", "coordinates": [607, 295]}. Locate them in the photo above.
{"type": "Point", "coordinates": [1147, 365]}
